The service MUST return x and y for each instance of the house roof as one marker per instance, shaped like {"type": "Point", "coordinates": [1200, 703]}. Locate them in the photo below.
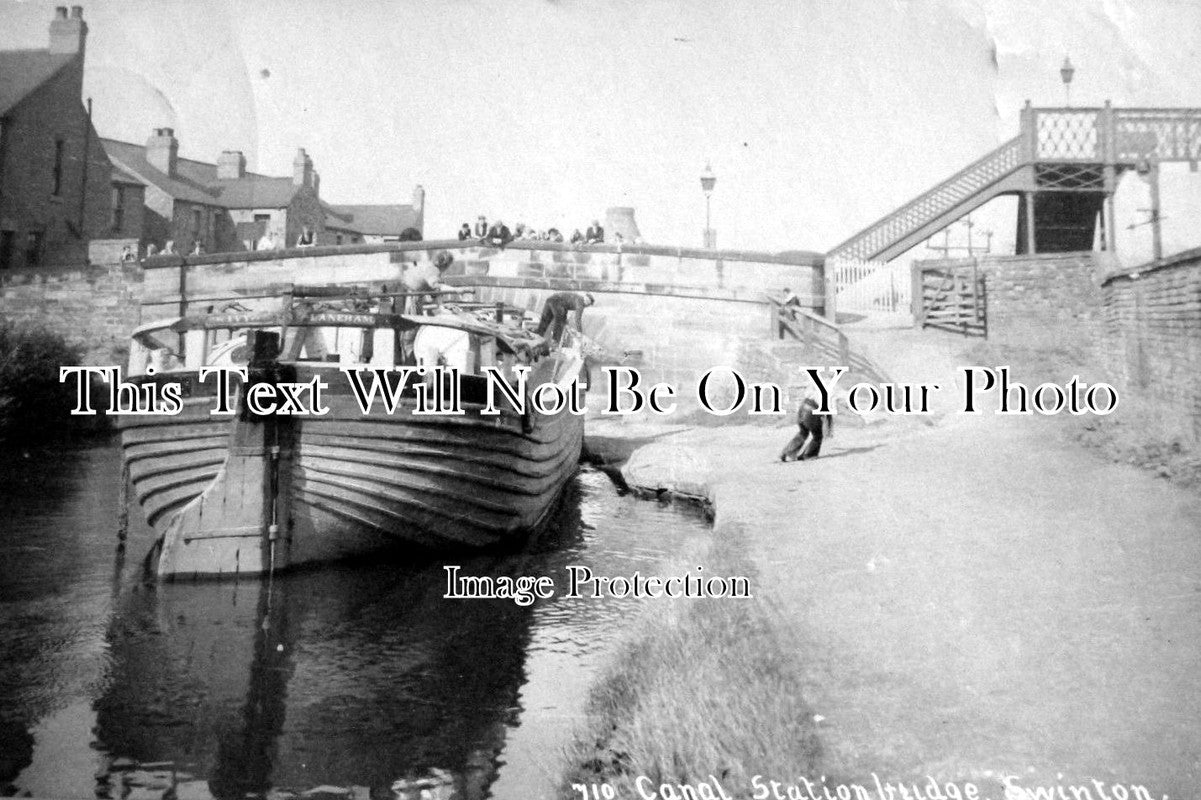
{"type": "Point", "coordinates": [377, 220]}
{"type": "Point", "coordinates": [121, 176]}
{"type": "Point", "coordinates": [255, 191]}
{"type": "Point", "coordinates": [196, 181]}
{"type": "Point", "coordinates": [23, 71]}
{"type": "Point", "coordinates": [188, 183]}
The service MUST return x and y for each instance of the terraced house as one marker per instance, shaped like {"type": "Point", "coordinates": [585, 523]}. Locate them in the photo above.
{"type": "Point", "coordinates": [223, 207]}
{"type": "Point", "coordinates": [63, 188]}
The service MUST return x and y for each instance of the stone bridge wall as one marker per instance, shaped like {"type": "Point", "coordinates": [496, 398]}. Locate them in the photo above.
{"type": "Point", "coordinates": [96, 307]}
{"type": "Point", "coordinates": [678, 311]}
{"type": "Point", "coordinates": [637, 269]}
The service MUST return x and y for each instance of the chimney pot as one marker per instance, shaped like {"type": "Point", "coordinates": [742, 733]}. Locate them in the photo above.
{"type": "Point", "coordinates": [231, 166]}
{"type": "Point", "coordinates": [68, 34]}
{"type": "Point", "coordinates": [302, 169]}
{"type": "Point", "coordinates": [162, 150]}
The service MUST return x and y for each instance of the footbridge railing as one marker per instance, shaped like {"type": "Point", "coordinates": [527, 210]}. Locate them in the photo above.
{"type": "Point", "coordinates": [954, 197]}
{"type": "Point", "coordinates": [1058, 149]}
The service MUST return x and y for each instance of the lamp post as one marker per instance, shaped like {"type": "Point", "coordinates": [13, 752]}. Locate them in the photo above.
{"type": "Point", "coordinates": [708, 181]}
{"type": "Point", "coordinates": [1066, 72]}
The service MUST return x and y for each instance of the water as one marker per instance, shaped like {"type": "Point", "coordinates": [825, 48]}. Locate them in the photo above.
{"type": "Point", "coordinates": [358, 677]}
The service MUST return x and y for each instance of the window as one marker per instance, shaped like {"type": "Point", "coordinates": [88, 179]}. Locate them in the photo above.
{"type": "Point", "coordinates": [58, 166]}
{"type": "Point", "coordinates": [338, 238]}
{"type": "Point", "coordinates": [197, 221]}
{"type": "Point", "coordinates": [118, 208]}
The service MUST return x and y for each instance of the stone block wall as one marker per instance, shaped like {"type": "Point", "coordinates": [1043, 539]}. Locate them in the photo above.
{"type": "Point", "coordinates": [1044, 300]}
{"type": "Point", "coordinates": [96, 307]}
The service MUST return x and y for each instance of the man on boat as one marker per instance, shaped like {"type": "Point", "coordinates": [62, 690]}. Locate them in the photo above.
{"type": "Point", "coordinates": [425, 278]}
{"type": "Point", "coordinates": [555, 311]}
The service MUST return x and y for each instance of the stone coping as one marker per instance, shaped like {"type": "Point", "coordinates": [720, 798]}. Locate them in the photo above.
{"type": "Point", "coordinates": [802, 259]}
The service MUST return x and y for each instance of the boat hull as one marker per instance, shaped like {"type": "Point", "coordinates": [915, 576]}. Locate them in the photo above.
{"type": "Point", "coordinates": [248, 495]}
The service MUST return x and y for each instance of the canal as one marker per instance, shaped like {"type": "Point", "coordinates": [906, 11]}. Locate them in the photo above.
{"type": "Point", "coordinates": [361, 679]}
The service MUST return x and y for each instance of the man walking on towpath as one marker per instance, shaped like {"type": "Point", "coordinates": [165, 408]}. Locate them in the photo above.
{"type": "Point", "coordinates": [555, 310]}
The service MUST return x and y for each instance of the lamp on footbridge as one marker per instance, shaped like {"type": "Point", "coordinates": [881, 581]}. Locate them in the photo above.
{"type": "Point", "coordinates": [1066, 72]}
{"type": "Point", "coordinates": [708, 181]}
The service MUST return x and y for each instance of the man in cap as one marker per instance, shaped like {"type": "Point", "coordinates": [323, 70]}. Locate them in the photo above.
{"type": "Point", "coordinates": [555, 311]}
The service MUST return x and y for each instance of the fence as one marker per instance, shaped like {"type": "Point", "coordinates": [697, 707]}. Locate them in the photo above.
{"type": "Point", "coordinates": [871, 286]}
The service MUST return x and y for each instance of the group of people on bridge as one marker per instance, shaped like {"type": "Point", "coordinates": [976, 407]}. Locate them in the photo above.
{"type": "Point", "coordinates": [498, 234]}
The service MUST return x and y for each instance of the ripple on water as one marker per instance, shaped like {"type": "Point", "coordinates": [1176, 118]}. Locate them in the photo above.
{"type": "Point", "coordinates": [362, 680]}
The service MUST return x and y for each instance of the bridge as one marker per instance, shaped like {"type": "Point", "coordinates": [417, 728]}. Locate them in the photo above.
{"type": "Point", "coordinates": [1064, 167]}
{"type": "Point", "coordinates": [673, 312]}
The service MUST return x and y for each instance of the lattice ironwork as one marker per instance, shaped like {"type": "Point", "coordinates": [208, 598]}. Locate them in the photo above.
{"type": "Point", "coordinates": [1066, 135]}
{"type": "Point", "coordinates": [1070, 177]}
{"type": "Point", "coordinates": [1164, 135]}
{"type": "Point", "coordinates": [927, 207]}
{"type": "Point", "coordinates": [1069, 149]}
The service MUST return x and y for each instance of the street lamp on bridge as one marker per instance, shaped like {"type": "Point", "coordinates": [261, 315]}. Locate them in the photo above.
{"type": "Point", "coordinates": [1066, 72]}
{"type": "Point", "coordinates": [708, 181]}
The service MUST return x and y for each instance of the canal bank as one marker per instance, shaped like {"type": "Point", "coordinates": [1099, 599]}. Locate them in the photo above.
{"type": "Point", "coordinates": [971, 600]}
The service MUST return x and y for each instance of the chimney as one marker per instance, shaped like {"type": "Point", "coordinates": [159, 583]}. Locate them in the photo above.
{"type": "Point", "coordinates": [68, 34]}
{"type": "Point", "coordinates": [302, 169]}
{"type": "Point", "coordinates": [231, 165]}
{"type": "Point", "coordinates": [419, 206]}
{"type": "Point", "coordinates": [316, 183]}
{"type": "Point", "coordinates": [162, 150]}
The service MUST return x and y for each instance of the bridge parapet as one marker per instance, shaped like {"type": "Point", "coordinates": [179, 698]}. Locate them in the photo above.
{"type": "Point", "coordinates": [735, 275]}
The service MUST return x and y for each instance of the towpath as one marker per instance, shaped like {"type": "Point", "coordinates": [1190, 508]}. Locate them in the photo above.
{"type": "Point", "coordinates": [979, 598]}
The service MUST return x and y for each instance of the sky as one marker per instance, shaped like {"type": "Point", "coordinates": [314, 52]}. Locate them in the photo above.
{"type": "Point", "coordinates": [816, 116]}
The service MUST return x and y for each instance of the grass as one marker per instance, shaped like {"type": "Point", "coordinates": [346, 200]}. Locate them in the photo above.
{"type": "Point", "coordinates": [33, 404]}
{"type": "Point", "coordinates": [705, 687]}
{"type": "Point", "coordinates": [1143, 431]}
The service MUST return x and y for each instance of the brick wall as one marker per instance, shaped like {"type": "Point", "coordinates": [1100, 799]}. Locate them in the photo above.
{"type": "Point", "coordinates": [1151, 330]}
{"type": "Point", "coordinates": [28, 203]}
{"type": "Point", "coordinates": [1042, 301]}
{"type": "Point", "coordinates": [1142, 326]}
{"type": "Point", "coordinates": [96, 306]}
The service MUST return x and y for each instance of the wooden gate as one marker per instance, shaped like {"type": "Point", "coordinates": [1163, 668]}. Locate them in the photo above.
{"type": "Point", "coordinates": [950, 297]}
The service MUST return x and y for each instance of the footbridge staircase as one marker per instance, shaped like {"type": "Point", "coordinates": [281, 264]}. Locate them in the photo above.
{"type": "Point", "coordinates": [1063, 166]}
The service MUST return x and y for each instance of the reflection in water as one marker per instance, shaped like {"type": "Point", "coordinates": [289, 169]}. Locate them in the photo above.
{"type": "Point", "coordinates": [344, 677]}
{"type": "Point", "coordinates": [361, 677]}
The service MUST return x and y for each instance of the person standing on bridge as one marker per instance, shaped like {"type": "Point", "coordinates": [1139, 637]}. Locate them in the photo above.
{"type": "Point", "coordinates": [555, 311]}
{"type": "Point", "coordinates": [808, 441]}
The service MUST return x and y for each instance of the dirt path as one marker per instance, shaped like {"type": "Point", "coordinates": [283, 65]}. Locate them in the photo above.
{"type": "Point", "coordinates": [979, 598]}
